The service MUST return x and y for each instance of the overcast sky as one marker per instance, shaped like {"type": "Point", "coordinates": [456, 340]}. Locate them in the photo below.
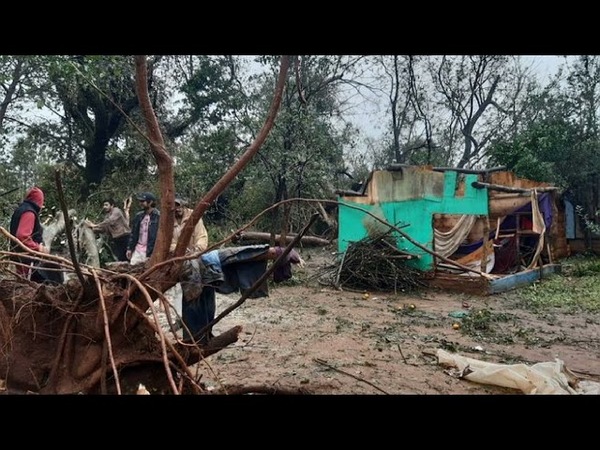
{"type": "Point", "coordinates": [546, 65]}
{"type": "Point", "coordinates": [368, 119]}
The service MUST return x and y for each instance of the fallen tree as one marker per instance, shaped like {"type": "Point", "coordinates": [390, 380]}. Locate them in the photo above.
{"type": "Point", "coordinates": [259, 236]}
{"type": "Point", "coordinates": [93, 334]}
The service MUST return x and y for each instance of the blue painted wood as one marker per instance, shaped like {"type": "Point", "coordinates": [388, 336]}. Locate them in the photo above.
{"type": "Point", "coordinates": [524, 278]}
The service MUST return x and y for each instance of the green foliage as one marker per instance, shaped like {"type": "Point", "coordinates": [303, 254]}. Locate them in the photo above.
{"type": "Point", "coordinates": [210, 92]}
{"type": "Point", "coordinates": [90, 130]}
{"type": "Point", "coordinates": [482, 320]}
{"type": "Point", "coordinates": [581, 266]}
{"type": "Point", "coordinates": [545, 150]}
{"type": "Point", "coordinates": [216, 232]}
{"type": "Point", "coordinates": [304, 151]}
{"type": "Point", "coordinates": [80, 113]}
{"type": "Point", "coordinates": [559, 143]}
{"type": "Point", "coordinates": [254, 198]}
{"type": "Point", "coordinates": [84, 100]}
{"type": "Point", "coordinates": [203, 160]}
{"type": "Point", "coordinates": [588, 223]}
{"type": "Point", "coordinates": [576, 289]}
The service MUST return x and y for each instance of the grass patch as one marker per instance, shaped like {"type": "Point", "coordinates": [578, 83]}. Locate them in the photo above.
{"type": "Point", "coordinates": [581, 266]}
{"type": "Point", "coordinates": [482, 322]}
{"type": "Point", "coordinates": [576, 289]}
{"type": "Point", "coordinates": [321, 311]}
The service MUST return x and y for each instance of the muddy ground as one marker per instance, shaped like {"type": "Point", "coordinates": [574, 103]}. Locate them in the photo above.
{"type": "Point", "coordinates": [310, 338]}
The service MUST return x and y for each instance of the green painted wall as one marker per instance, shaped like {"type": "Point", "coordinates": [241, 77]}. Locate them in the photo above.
{"type": "Point", "coordinates": [408, 201]}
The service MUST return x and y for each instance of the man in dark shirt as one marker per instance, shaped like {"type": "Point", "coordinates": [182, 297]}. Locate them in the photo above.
{"type": "Point", "coordinates": [144, 229]}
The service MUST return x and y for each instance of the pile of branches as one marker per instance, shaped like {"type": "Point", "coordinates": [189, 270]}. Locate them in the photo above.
{"type": "Point", "coordinates": [376, 263]}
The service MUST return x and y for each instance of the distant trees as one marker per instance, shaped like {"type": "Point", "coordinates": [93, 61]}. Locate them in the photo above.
{"type": "Point", "coordinates": [447, 110]}
{"type": "Point", "coordinates": [305, 148]}
{"type": "Point", "coordinates": [81, 112]}
{"type": "Point", "coordinates": [558, 140]}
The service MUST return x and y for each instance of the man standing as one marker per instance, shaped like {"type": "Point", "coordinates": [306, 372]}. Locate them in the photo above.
{"type": "Point", "coordinates": [199, 239]}
{"type": "Point", "coordinates": [115, 226]}
{"type": "Point", "coordinates": [198, 243]}
{"type": "Point", "coordinates": [144, 229]}
{"type": "Point", "coordinates": [25, 225]}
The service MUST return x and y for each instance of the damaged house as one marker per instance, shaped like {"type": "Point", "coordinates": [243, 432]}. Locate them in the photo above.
{"type": "Point", "coordinates": [479, 231]}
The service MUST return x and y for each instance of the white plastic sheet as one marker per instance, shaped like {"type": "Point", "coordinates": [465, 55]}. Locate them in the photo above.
{"type": "Point", "coordinates": [541, 378]}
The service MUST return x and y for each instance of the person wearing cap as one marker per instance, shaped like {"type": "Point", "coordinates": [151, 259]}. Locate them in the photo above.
{"type": "Point", "coordinates": [199, 239]}
{"type": "Point", "coordinates": [115, 226]}
{"type": "Point", "coordinates": [25, 225]}
{"type": "Point", "coordinates": [198, 243]}
{"type": "Point", "coordinates": [144, 229]}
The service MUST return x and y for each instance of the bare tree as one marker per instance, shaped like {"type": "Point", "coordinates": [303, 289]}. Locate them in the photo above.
{"type": "Point", "coordinates": [469, 89]}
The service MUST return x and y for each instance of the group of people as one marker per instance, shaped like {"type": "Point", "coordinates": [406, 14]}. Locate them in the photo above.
{"type": "Point", "coordinates": [227, 270]}
{"type": "Point", "coordinates": [136, 244]}
{"type": "Point", "coordinates": [133, 243]}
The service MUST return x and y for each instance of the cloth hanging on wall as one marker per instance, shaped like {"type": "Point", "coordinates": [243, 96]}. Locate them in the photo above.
{"type": "Point", "coordinates": [446, 243]}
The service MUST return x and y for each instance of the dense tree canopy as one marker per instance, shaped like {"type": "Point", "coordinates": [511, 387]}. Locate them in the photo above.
{"type": "Point", "coordinates": [81, 113]}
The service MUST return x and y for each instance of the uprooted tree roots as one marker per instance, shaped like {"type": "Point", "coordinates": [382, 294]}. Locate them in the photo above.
{"type": "Point", "coordinates": [99, 332]}
{"type": "Point", "coordinates": [67, 339]}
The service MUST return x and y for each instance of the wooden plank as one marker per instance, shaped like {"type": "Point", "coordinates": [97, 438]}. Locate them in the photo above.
{"type": "Point", "coordinates": [482, 286]}
{"type": "Point", "coordinates": [523, 278]}
{"type": "Point", "coordinates": [458, 283]}
{"type": "Point", "coordinates": [497, 187]}
{"type": "Point", "coordinates": [472, 171]}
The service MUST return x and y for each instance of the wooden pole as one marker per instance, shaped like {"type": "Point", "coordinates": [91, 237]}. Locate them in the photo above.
{"type": "Point", "coordinates": [486, 238]}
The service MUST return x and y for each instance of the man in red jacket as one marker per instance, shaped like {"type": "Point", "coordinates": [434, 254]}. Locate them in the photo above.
{"type": "Point", "coordinates": [26, 227]}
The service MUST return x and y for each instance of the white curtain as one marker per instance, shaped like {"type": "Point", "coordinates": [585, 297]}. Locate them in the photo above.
{"type": "Point", "coordinates": [446, 243]}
